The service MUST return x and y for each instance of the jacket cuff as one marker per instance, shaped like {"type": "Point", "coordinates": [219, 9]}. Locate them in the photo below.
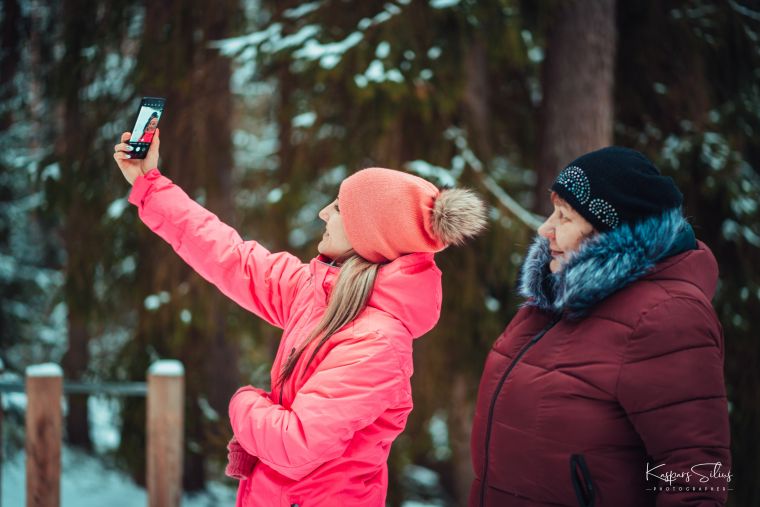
{"type": "Point", "coordinates": [252, 396]}
{"type": "Point", "coordinates": [142, 185]}
{"type": "Point", "coordinates": [250, 388]}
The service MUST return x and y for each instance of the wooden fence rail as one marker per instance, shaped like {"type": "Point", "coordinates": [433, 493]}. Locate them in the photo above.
{"type": "Point", "coordinates": [44, 388]}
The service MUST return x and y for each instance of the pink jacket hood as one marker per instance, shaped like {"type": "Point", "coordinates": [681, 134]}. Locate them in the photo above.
{"type": "Point", "coordinates": [396, 290]}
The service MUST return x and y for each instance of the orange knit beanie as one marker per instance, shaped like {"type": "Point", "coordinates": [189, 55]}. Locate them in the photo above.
{"type": "Point", "coordinates": [388, 213]}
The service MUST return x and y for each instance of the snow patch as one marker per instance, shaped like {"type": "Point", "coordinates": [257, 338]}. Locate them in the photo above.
{"type": "Point", "coordinates": [104, 422]}
{"type": "Point", "coordinates": [44, 370]}
{"type": "Point", "coordinates": [302, 10]}
{"type": "Point", "coordinates": [154, 301]}
{"type": "Point", "coordinates": [383, 49]}
{"type": "Point", "coordinates": [423, 476]}
{"type": "Point", "coordinates": [329, 54]}
{"type": "Point", "coordinates": [434, 52]}
{"type": "Point", "coordinates": [304, 120]}
{"type": "Point", "coordinates": [116, 208]}
{"type": "Point", "coordinates": [52, 171]}
{"type": "Point", "coordinates": [443, 4]}
{"type": "Point", "coordinates": [433, 172]}
{"type": "Point", "coordinates": [167, 368]}
{"type": "Point", "coordinates": [439, 435]}
{"type": "Point", "coordinates": [275, 195]}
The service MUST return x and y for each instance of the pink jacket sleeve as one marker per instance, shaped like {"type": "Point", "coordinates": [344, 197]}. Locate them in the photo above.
{"type": "Point", "coordinates": [261, 282]}
{"type": "Point", "coordinates": [355, 383]}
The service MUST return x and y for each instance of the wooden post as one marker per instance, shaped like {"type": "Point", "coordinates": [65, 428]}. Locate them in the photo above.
{"type": "Point", "coordinates": [44, 389]}
{"type": "Point", "coordinates": [165, 428]}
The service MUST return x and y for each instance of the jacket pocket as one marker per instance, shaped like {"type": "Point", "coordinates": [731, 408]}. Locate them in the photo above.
{"type": "Point", "coordinates": [580, 476]}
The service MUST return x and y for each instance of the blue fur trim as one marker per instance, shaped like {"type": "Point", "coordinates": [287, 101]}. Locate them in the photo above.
{"type": "Point", "coordinates": [536, 281]}
{"type": "Point", "coordinates": [602, 265]}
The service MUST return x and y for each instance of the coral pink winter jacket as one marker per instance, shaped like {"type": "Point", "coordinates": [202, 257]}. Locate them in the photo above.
{"type": "Point", "coordinates": [325, 437]}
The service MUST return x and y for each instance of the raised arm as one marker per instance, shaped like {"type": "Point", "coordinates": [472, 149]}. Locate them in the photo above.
{"type": "Point", "coordinates": [262, 282]}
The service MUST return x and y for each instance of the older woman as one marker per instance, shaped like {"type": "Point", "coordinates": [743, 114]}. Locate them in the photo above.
{"type": "Point", "coordinates": [607, 386]}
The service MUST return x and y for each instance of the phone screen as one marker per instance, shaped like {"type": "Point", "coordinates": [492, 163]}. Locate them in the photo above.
{"type": "Point", "coordinates": [151, 109]}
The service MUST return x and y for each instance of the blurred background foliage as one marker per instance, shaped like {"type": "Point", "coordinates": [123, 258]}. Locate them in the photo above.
{"type": "Point", "coordinates": [270, 104]}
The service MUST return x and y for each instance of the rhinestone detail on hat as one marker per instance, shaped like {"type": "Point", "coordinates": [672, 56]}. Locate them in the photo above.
{"type": "Point", "coordinates": [605, 212]}
{"type": "Point", "coordinates": [575, 180]}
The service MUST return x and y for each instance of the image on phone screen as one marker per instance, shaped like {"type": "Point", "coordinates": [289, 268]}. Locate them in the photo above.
{"type": "Point", "coordinates": [151, 109]}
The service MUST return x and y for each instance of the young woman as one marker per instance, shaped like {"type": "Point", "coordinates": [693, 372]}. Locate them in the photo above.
{"type": "Point", "coordinates": [340, 380]}
{"type": "Point", "coordinates": [149, 129]}
{"type": "Point", "coordinates": [607, 386]}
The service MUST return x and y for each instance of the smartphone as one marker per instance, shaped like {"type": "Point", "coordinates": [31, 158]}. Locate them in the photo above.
{"type": "Point", "coordinates": [151, 110]}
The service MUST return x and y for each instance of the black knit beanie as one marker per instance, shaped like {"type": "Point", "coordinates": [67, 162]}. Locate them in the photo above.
{"type": "Point", "coordinates": [616, 185]}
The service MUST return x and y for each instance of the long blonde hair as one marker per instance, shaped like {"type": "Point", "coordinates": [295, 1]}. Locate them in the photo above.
{"type": "Point", "coordinates": [348, 298]}
{"type": "Point", "coordinates": [457, 214]}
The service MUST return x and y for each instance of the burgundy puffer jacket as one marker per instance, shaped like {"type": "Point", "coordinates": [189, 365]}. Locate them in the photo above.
{"type": "Point", "coordinates": [607, 387]}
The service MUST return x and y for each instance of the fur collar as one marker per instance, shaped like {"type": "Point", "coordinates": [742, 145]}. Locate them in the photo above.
{"type": "Point", "coordinates": [604, 263]}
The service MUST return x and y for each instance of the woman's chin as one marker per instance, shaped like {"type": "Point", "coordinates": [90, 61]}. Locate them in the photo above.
{"type": "Point", "coordinates": [324, 251]}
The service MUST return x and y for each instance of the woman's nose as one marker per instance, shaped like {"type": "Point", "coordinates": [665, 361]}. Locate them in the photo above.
{"type": "Point", "coordinates": [546, 229]}
{"type": "Point", "coordinates": [323, 214]}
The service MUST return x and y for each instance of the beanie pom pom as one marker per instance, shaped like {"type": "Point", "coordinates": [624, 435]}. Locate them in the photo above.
{"type": "Point", "coordinates": [458, 214]}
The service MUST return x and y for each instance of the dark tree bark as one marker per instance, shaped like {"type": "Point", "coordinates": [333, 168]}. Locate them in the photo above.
{"type": "Point", "coordinates": [462, 385]}
{"type": "Point", "coordinates": [11, 44]}
{"type": "Point", "coordinates": [477, 99]}
{"type": "Point", "coordinates": [196, 153]}
{"type": "Point", "coordinates": [11, 37]}
{"type": "Point", "coordinates": [578, 76]}
{"type": "Point", "coordinates": [80, 222]}
{"type": "Point", "coordinates": [75, 362]}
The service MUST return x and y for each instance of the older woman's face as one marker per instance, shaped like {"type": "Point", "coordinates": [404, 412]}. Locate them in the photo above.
{"type": "Point", "coordinates": [334, 244]}
{"type": "Point", "coordinates": [565, 229]}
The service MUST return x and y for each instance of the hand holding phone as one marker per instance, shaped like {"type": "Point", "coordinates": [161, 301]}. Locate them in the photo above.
{"type": "Point", "coordinates": [151, 110]}
{"type": "Point", "coordinates": [131, 168]}
{"type": "Point", "coordinates": [137, 153]}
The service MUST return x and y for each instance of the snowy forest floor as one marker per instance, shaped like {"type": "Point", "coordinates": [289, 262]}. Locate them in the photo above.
{"type": "Point", "coordinates": [90, 479]}
{"type": "Point", "coordinates": [87, 481]}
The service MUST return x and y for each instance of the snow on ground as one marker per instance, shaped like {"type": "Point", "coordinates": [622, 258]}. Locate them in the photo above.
{"type": "Point", "coordinates": [89, 481]}
{"type": "Point", "coordinates": [86, 479]}
{"type": "Point", "coordinates": [86, 482]}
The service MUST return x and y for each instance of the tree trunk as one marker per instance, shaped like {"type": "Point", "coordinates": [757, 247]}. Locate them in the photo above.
{"type": "Point", "coordinates": [75, 362]}
{"type": "Point", "coordinates": [461, 412]}
{"type": "Point", "coordinates": [578, 76]}
{"type": "Point", "coordinates": [11, 36]}
{"type": "Point", "coordinates": [196, 153]}
{"type": "Point", "coordinates": [80, 223]}
{"type": "Point", "coordinates": [477, 95]}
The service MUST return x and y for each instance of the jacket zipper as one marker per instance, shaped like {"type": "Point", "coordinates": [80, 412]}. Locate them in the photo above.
{"type": "Point", "coordinates": [585, 492]}
{"type": "Point", "coordinates": [495, 396]}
